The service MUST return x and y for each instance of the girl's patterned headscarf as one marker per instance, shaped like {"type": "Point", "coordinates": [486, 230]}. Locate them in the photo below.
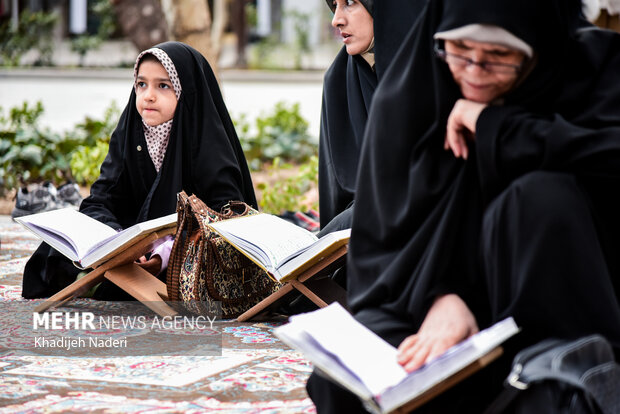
{"type": "Point", "coordinates": [157, 136]}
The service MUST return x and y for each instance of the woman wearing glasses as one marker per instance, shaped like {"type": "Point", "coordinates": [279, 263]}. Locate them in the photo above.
{"type": "Point", "coordinates": [488, 187]}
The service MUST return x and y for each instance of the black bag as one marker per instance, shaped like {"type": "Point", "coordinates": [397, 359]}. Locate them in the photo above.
{"type": "Point", "coordinates": [559, 376]}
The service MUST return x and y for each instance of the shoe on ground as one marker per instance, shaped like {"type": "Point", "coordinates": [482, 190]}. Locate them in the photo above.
{"type": "Point", "coordinates": [36, 198]}
{"type": "Point", "coordinates": [300, 219]}
{"type": "Point", "coordinates": [313, 214]}
{"type": "Point", "coordinates": [68, 195]}
{"type": "Point", "coordinates": [306, 222]}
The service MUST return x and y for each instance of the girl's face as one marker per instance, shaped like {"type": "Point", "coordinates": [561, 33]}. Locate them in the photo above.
{"type": "Point", "coordinates": [355, 25]}
{"type": "Point", "coordinates": [483, 71]}
{"type": "Point", "coordinates": [155, 98]}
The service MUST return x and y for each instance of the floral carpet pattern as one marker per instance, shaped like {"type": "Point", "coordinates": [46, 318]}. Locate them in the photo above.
{"type": "Point", "coordinates": [254, 373]}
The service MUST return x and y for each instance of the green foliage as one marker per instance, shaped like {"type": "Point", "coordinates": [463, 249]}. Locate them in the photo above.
{"type": "Point", "coordinates": [283, 134]}
{"type": "Point", "coordinates": [288, 194]}
{"type": "Point", "coordinates": [86, 161]}
{"type": "Point", "coordinates": [82, 44]}
{"type": "Point", "coordinates": [251, 14]}
{"type": "Point", "coordinates": [92, 130]}
{"type": "Point", "coordinates": [34, 31]}
{"type": "Point", "coordinates": [29, 153]}
{"type": "Point", "coordinates": [95, 136]}
{"type": "Point", "coordinates": [301, 23]}
{"type": "Point", "coordinates": [104, 10]}
{"type": "Point", "coordinates": [262, 54]}
{"type": "Point", "coordinates": [270, 53]}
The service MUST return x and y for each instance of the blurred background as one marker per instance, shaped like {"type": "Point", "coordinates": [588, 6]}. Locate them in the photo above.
{"type": "Point", "coordinates": [66, 73]}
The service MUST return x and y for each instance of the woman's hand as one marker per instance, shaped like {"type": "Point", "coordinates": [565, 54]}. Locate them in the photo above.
{"type": "Point", "coordinates": [462, 126]}
{"type": "Point", "coordinates": [152, 265]}
{"type": "Point", "coordinates": [447, 323]}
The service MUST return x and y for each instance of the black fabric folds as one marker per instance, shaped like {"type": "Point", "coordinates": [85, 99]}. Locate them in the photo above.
{"type": "Point", "coordinates": [203, 157]}
{"type": "Point", "coordinates": [419, 210]}
{"type": "Point", "coordinates": [348, 87]}
{"type": "Point", "coordinates": [527, 227]}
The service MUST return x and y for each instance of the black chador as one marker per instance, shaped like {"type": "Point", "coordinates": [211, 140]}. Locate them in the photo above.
{"type": "Point", "coordinates": [348, 87]}
{"type": "Point", "coordinates": [203, 157]}
{"type": "Point", "coordinates": [528, 225]}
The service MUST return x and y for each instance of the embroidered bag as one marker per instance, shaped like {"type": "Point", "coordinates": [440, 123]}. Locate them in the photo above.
{"type": "Point", "coordinates": [204, 268]}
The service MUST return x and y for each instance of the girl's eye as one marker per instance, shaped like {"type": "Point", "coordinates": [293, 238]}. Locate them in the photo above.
{"type": "Point", "coordinates": [350, 2]}
{"type": "Point", "coordinates": [164, 86]}
{"type": "Point", "coordinates": [141, 84]}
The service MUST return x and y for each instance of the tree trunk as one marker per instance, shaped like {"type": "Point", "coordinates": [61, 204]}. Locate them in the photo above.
{"type": "Point", "coordinates": [142, 22]}
{"type": "Point", "coordinates": [192, 22]}
{"type": "Point", "coordinates": [220, 19]}
{"type": "Point", "coordinates": [240, 26]}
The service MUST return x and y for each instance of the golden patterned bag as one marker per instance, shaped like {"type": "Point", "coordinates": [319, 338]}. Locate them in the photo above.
{"type": "Point", "coordinates": [204, 268]}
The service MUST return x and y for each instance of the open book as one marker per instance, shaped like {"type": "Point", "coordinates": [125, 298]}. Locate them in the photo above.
{"type": "Point", "coordinates": [83, 239]}
{"type": "Point", "coordinates": [355, 357]}
{"type": "Point", "coordinates": [281, 248]}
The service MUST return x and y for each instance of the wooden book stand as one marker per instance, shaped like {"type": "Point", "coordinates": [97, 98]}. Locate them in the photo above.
{"type": "Point", "coordinates": [126, 274]}
{"type": "Point", "coordinates": [320, 290]}
{"type": "Point", "coordinates": [449, 382]}
{"type": "Point", "coordinates": [146, 288]}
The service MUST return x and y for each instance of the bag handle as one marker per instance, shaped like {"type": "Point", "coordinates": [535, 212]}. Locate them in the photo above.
{"type": "Point", "coordinates": [237, 208]}
{"type": "Point", "coordinates": [179, 245]}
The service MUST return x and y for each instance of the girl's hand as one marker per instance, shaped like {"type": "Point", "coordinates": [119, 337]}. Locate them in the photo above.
{"type": "Point", "coordinates": [447, 323]}
{"type": "Point", "coordinates": [462, 126]}
{"type": "Point", "coordinates": [152, 265]}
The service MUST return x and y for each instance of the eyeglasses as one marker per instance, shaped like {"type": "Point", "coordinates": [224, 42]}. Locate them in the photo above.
{"type": "Point", "coordinates": [462, 62]}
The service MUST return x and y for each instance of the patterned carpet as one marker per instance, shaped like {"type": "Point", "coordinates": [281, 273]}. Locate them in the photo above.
{"type": "Point", "coordinates": [253, 372]}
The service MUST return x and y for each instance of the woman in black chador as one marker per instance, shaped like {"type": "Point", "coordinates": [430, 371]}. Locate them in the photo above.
{"type": "Point", "coordinates": [174, 134]}
{"type": "Point", "coordinates": [488, 187]}
{"type": "Point", "coordinates": [348, 87]}
{"type": "Point", "coordinates": [371, 36]}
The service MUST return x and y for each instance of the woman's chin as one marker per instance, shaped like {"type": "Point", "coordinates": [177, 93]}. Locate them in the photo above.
{"type": "Point", "coordinates": [353, 50]}
{"type": "Point", "coordinates": [483, 98]}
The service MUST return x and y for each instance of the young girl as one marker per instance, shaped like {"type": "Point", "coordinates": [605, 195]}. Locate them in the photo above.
{"type": "Point", "coordinates": [174, 134]}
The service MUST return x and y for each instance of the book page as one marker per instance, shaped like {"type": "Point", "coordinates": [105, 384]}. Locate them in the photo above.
{"type": "Point", "coordinates": [367, 355]}
{"type": "Point", "coordinates": [293, 266]}
{"type": "Point", "coordinates": [295, 336]}
{"type": "Point", "coordinates": [276, 237]}
{"type": "Point", "coordinates": [449, 363]}
{"type": "Point", "coordinates": [130, 235]}
{"type": "Point", "coordinates": [367, 359]}
{"type": "Point", "coordinates": [77, 229]}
